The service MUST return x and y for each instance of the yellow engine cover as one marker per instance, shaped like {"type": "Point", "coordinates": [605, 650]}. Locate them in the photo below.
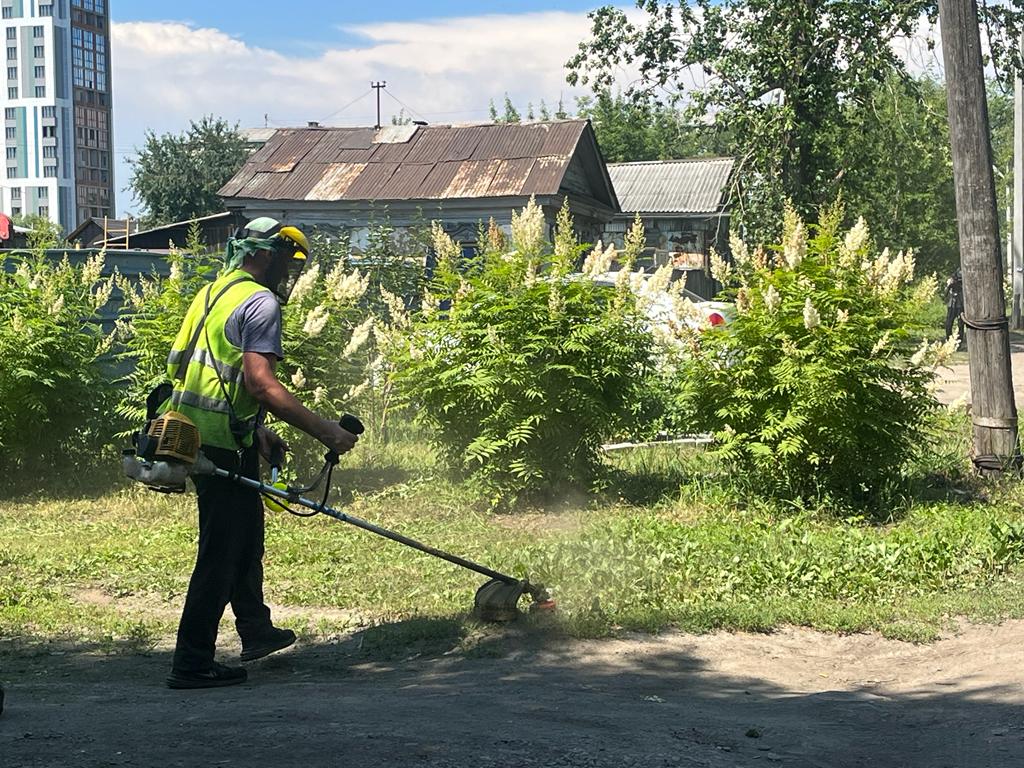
{"type": "Point", "coordinates": [177, 437]}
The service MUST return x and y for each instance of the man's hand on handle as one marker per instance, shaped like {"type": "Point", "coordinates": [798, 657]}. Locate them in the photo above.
{"type": "Point", "coordinates": [336, 437]}
{"type": "Point", "coordinates": [272, 446]}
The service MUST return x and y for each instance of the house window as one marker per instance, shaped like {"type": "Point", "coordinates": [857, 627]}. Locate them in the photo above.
{"type": "Point", "coordinates": [12, 133]}
{"type": "Point", "coordinates": [12, 173]}
{"type": "Point", "coordinates": [16, 193]}
{"type": "Point", "coordinates": [42, 192]}
{"type": "Point", "coordinates": [39, 51]}
{"type": "Point", "coordinates": [40, 73]}
{"type": "Point", "coordinates": [12, 53]}
{"type": "Point", "coordinates": [15, 210]}
{"type": "Point", "coordinates": [46, 10]}
{"type": "Point", "coordinates": [44, 210]}
{"type": "Point", "coordinates": [12, 92]}
{"type": "Point", "coordinates": [12, 153]}
{"type": "Point", "coordinates": [12, 73]}
{"type": "Point", "coordinates": [50, 151]}
{"type": "Point", "coordinates": [40, 91]}
{"type": "Point", "coordinates": [8, 13]}
{"type": "Point", "coordinates": [12, 33]}
{"type": "Point", "coordinates": [10, 113]}
{"type": "Point", "coordinates": [50, 171]}
{"type": "Point", "coordinates": [49, 112]}
{"type": "Point", "coordinates": [49, 131]}
{"type": "Point", "coordinates": [37, 31]}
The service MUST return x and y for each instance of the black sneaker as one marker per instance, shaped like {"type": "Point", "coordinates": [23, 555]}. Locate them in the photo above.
{"type": "Point", "coordinates": [266, 643]}
{"type": "Point", "coordinates": [216, 676]}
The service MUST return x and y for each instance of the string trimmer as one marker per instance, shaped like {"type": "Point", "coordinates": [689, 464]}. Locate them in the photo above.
{"type": "Point", "coordinates": [167, 453]}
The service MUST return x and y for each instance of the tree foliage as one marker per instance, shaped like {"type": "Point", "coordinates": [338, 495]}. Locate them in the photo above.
{"type": "Point", "coordinates": [786, 78]}
{"type": "Point", "coordinates": [176, 176]}
{"type": "Point", "coordinates": [629, 131]}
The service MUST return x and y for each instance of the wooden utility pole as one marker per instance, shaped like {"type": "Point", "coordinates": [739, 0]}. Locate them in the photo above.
{"type": "Point", "coordinates": [994, 414]}
{"type": "Point", "coordinates": [1016, 257]}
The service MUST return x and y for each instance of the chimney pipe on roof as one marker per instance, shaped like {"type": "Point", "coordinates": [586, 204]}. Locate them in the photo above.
{"type": "Point", "coordinates": [312, 124]}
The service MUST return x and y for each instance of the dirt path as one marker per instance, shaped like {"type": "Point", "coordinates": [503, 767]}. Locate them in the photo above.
{"type": "Point", "coordinates": [794, 698]}
{"type": "Point", "coordinates": [954, 383]}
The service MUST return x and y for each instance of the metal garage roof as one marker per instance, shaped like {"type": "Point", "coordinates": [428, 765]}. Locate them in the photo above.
{"type": "Point", "coordinates": [672, 186]}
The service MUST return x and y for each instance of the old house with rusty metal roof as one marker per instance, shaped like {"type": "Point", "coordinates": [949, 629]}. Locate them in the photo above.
{"type": "Point", "coordinates": [461, 175]}
{"type": "Point", "coordinates": [683, 205]}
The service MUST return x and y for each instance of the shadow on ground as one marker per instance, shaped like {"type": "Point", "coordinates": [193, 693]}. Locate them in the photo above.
{"type": "Point", "coordinates": [415, 694]}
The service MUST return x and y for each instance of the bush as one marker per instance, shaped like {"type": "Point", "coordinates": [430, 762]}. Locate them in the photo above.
{"type": "Point", "coordinates": [52, 381]}
{"type": "Point", "coordinates": [518, 369]}
{"type": "Point", "coordinates": [816, 386]}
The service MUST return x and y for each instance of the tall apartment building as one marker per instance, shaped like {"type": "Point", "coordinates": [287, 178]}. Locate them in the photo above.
{"type": "Point", "coordinates": [57, 116]}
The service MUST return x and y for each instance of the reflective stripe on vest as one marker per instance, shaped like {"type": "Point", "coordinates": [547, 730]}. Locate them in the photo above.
{"type": "Point", "coordinates": [200, 394]}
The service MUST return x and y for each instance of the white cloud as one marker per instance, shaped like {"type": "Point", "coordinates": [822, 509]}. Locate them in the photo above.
{"type": "Point", "coordinates": [167, 73]}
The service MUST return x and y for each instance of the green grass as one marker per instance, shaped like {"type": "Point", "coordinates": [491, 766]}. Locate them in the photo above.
{"type": "Point", "coordinates": [670, 543]}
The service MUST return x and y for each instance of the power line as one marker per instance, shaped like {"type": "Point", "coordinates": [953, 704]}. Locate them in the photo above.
{"type": "Point", "coordinates": [339, 111]}
{"type": "Point", "coordinates": [404, 105]}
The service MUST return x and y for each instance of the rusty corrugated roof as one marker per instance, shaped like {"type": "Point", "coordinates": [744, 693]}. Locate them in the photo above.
{"type": "Point", "coordinates": [672, 186]}
{"type": "Point", "coordinates": [418, 163]}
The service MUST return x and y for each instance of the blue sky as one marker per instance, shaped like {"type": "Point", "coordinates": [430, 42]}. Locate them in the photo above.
{"type": "Point", "coordinates": [318, 23]}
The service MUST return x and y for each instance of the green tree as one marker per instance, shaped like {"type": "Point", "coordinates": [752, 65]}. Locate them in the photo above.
{"type": "Point", "coordinates": [783, 76]}
{"type": "Point", "coordinates": [176, 176]}
{"type": "Point", "coordinates": [628, 130]}
{"type": "Point", "coordinates": [897, 170]}
{"type": "Point", "coordinates": [511, 113]}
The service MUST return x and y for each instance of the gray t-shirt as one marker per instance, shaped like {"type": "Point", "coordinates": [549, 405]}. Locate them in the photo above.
{"type": "Point", "coordinates": [255, 326]}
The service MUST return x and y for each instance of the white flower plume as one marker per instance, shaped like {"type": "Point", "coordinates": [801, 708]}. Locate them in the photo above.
{"type": "Point", "coordinates": [316, 319]}
{"type": "Point", "coordinates": [305, 283]}
{"type": "Point", "coordinates": [811, 317]}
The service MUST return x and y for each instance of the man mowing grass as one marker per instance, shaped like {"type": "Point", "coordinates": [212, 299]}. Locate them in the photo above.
{"type": "Point", "coordinates": [222, 366]}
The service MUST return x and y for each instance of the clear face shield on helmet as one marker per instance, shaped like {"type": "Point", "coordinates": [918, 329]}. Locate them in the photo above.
{"type": "Point", "coordinates": [291, 246]}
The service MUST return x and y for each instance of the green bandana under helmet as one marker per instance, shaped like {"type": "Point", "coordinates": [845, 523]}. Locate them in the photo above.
{"type": "Point", "coordinates": [239, 248]}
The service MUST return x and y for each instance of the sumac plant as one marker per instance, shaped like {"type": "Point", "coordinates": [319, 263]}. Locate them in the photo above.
{"type": "Point", "coordinates": [819, 384]}
{"type": "Point", "coordinates": [518, 367]}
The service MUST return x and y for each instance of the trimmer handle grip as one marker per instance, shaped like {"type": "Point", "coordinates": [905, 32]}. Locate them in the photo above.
{"type": "Point", "coordinates": [277, 456]}
{"type": "Point", "coordinates": [351, 424]}
{"type": "Point", "coordinates": [276, 462]}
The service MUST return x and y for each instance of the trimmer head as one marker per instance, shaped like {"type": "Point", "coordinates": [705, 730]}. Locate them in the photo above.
{"type": "Point", "coordinates": [498, 600]}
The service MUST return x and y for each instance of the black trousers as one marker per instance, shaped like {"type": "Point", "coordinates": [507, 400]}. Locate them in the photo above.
{"type": "Point", "coordinates": [229, 564]}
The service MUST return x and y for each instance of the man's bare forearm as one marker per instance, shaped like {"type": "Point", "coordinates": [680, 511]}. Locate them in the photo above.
{"type": "Point", "coordinates": [284, 405]}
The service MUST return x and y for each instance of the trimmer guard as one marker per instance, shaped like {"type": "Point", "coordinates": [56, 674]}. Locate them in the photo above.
{"type": "Point", "coordinates": [498, 600]}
